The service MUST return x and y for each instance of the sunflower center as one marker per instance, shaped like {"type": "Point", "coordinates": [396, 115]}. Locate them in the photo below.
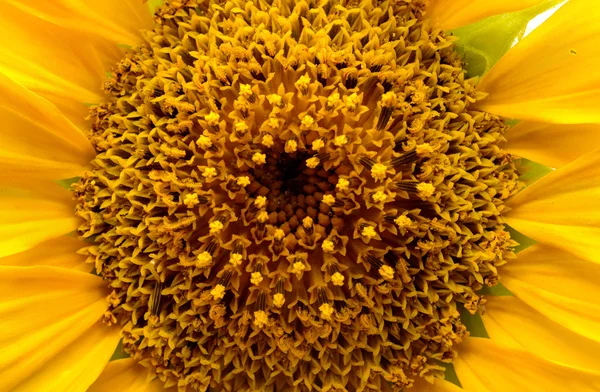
{"type": "Point", "coordinates": [291, 196]}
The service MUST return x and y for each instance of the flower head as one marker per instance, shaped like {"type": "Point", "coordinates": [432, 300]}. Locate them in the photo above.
{"type": "Point", "coordinates": [310, 189]}
{"type": "Point", "coordinates": [279, 177]}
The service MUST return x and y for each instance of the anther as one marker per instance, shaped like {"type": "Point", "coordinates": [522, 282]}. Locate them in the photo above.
{"type": "Point", "coordinates": [404, 159]}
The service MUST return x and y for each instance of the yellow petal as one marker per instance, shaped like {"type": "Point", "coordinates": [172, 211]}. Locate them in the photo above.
{"type": "Point", "coordinates": [553, 145]}
{"type": "Point", "coordinates": [78, 365]}
{"type": "Point", "coordinates": [562, 208]}
{"type": "Point", "coordinates": [31, 216]}
{"type": "Point", "coordinates": [127, 375]}
{"type": "Point", "coordinates": [48, 324]}
{"type": "Point", "coordinates": [488, 365]}
{"type": "Point", "coordinates": [510, 318]}
{"type": "Point", "coordinates": [118, 21]}
{"type": "Point", "coordinates": [457, 13]}
{"type": "Point", "coordinates": [64, 66]}
{"type": "Point", "coordinates": [37, 141]}
{"type": "Point", "coordinates": [551, 75]}
{"type": "Point", "coordinates": [56, 252]}
{"type": "Point", "coordinates": [562, 287]}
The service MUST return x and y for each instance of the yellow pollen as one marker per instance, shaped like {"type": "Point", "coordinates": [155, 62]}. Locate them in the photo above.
{"type": "Point", "coordinates": [352, 102]}
{"type": "Point", "coordinates": [342, 185]}
{"type": "Point", "coordinates": [259, 159]}
{"type": "Point", "coordinates": [337, 279]}
{"type": "Point", "coordinates": [191, 199]}
{"type": "Point", "coordinates": [378, 171]}
{"type": "Point", "coordinates": [298, 267]}
{"type": "Point", "coordinates": [241, 127]}
{"type": "Point", "coordinates": [275, 99]}
{"type": "Point", "coordinates": [218, 292]}
{"type": "Point", "coordinates": [236, 259]}
{"type": "Point", "coordinates": [386, 272]}
{"type": "Point", "coordinates": [291, 146]}
{"type": "Point", "coordinates": [243, 181]}
{"type": "Point", "coordinates": [273, 122]}
{"type": "Point", "coordinates": [262, 217]}
{"type": "Point", "coordinates": [215, 227]}
{"type": "Point", "coordinates": [313, 162]}
{"type": "Point", "coordinates": [302, 83]}
{"type": "Point", "coordinates": [256, 278]}
{"type": "Point", "coordinates": [328, 246]}
{"type": "Point", "coordinates": [333, 100]}
{"type": "Point", "coordinates": [369, 232]}
{"type": "Point", "coordinates": [260, 318]}
{"type": "Point", "coordinates": [425, 190]}
{"type": "Point", "coordinates": [340, 140]}
{"type": "Point", "coordinates": [209, 172]}
{"type": "Point", "coordinates": [329, 200]}
{"type": "Point", "coordinates": [318, 144]}
{"type": "Point", "coordinates": [203, 260]}
{"type": "Point", "coordinates": [278, 300]}
{"type": "Point", "coordinates": [267, 141]}
{"type": "Point", "coordinates": [307, 222]}
{"type": "Point", "coordinates": [389, 99]}
{"type": "Point", "coordinates": [379, 196]}
{"type": "Point", "coordinates": [424, 149]}
{"type": "Point", "coordinates": [307, 121]}
{"type": "Point", "coordinates": [326, 311]}
{"type": "Point", "coordinates": [260, 201]}
{"type": "Point", "coordinates": [246, 90]}
{"type": "Point", "coordinates": [403, 221]}
{"type": "Point", "coordinates": [204, 142]}
{"type": "Point", "coordinates": [279, 234]}
{"type": "Point", "coordinates": [212, 118]}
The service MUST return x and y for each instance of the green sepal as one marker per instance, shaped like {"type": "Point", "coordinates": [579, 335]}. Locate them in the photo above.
{"type": "Point", "coordinates": [483, 43]}
{"type": "Point", "coordinates": [154, 4]}
{"type": "Point", "coordinates": [119, 352]}
{"type": "Point", "coordinates": [473, 322]}
{"type": "Point", "coordinates": [531, 171]}
{"type": "Point", "coordinates": [524, 241]}
{"type": "Point", "coordinates": [498, 290]}
{"type": "Point", "coordinates": [67, 182]}
{"type": "Point", "coordinates": [450, 374]}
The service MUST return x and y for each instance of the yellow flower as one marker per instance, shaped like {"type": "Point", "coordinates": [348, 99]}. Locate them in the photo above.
{"type": "Point", "coordinates": [277, 196]}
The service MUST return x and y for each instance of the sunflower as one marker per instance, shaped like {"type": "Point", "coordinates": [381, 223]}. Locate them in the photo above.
{"type": "Point", "coordinates": [299, 196]}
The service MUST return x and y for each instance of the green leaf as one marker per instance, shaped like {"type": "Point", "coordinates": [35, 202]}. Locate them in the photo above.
{"type": "Point", "coordinates": [473, 322]}
{"type": "Point", "coordinates": [483, 43]}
